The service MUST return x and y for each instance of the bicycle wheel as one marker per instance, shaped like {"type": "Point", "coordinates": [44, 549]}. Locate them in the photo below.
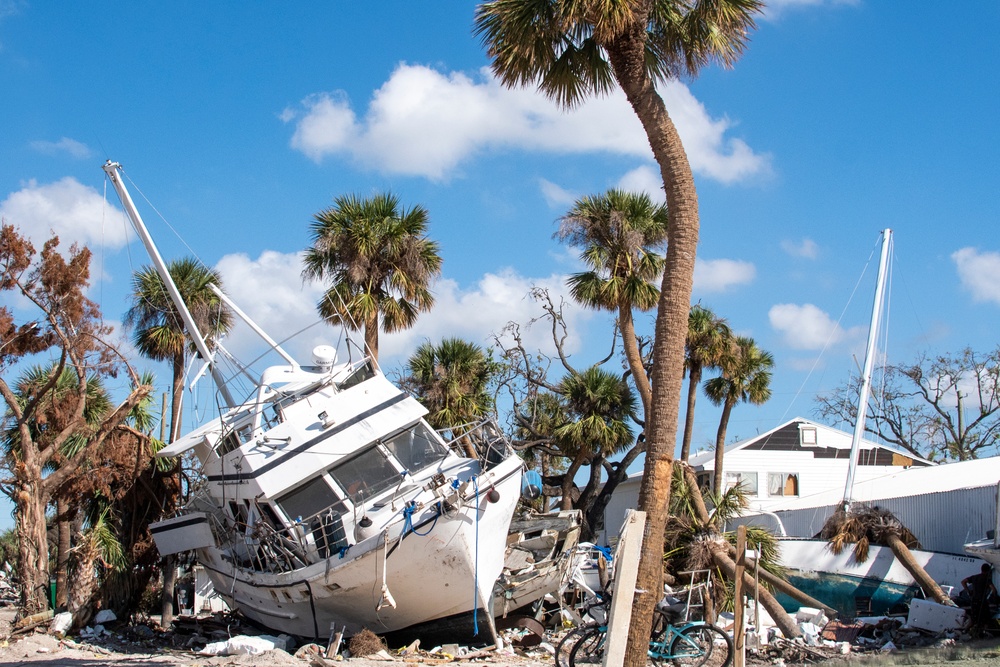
{"type": "Point", "coordinates": [567, 643]}
{"type": "Point", "coordinates": [702, 646]}
{"type": "Point", "coordinates": [589, 648]}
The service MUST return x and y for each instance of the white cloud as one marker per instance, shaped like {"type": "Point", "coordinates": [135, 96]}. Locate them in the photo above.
{"type": "Point", "coordinates": [718, 275]}
{"type": "Point", "coordinates": [776, 8]}
{"type": "Point", "coordinates": [271, 291]}
{"type": "Point", "coordinates": [644, 179]}
{"type": "Point", "coordinates": [805, 327]}
{"type": "Point", "coordinates": [426, 123]}
{"type": "Point", "coordinates": [979, 273]}
{"type": "Point", "coordinates": [556, 196]}
{"type": "Point", "coordinates": [76, 212]}
{"type": "Point", "coordinates": [65, 145]}
{"type": "Point", "coordinates": [806, 248]}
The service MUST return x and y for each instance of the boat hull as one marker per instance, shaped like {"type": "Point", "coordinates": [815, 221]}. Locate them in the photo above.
{"type": "Point", "coordinates": [873, 587]}
{"type": "Point", "coordinates": [445, 565]}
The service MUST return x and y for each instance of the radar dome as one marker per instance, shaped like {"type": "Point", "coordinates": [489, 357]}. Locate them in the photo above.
{"type": "Point", "coordinates": [324, 356]}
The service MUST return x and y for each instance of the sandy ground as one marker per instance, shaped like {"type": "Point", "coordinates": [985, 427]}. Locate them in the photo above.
{"type": "Point", "coordinates": [39, 649]}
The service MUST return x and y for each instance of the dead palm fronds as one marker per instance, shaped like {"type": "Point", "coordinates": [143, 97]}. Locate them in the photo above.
{"type": "Point", "coordinates": [864, 526]}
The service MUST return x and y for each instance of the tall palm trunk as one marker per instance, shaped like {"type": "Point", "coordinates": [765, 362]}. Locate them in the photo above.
{"type": "Point", "coordinates": [924, 580]}
{"type": "Point", "coordinates": [627, 56]}
{"type": "Point", "coordinates": [720, 445]}
{"type": "Point", "coordinates": [694, 379]}
{"type": "Point", "coordinates": [168, 564]}
{"type": "Point", "coordinates": [627, 326]}
{"type": "Point", "coordinates": [371, 336]}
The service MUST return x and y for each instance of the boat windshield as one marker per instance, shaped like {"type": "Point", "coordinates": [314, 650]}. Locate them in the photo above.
{"type": "Point", "coordinates": [365, 475]}
{"type": "Point", "coordinates": [417, 448]}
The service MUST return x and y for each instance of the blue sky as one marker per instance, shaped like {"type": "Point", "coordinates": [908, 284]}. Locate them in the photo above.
{"type": "Point", "coordinates": [240, 121]}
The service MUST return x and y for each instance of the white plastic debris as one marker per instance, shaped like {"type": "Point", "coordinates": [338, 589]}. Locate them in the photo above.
{"type": "Point", "coordinates": [60, 624]}
{"type": "Point", "coordinates": [244, 645]}
{"type": "Point", "coordinates": [105, 616]}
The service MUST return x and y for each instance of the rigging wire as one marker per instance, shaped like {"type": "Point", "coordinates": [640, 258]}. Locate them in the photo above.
{"type": "Point", "coordinates": [833, 331]}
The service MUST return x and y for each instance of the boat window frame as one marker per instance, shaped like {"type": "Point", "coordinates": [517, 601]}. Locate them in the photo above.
{"type": "Point", "coordinates": [433, 437]}
{"type": "Point", "coordinates": [277, 501]}
{"type": "Point", "coordinates": [363, 498]}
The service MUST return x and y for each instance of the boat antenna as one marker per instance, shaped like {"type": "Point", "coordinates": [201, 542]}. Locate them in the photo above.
{"type": "Point", "coordinates": [866, 373]}
{"type": "Point", "coordinates": [113, 169]}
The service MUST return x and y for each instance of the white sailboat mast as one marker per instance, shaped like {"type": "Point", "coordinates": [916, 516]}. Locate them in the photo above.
{"type": "Point", "coordinates": [866, 373]}
{"type": "Point", "coordinates": [112, 170]}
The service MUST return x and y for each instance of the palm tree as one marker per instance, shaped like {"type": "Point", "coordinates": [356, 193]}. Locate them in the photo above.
{"type": "Point", "coordinates": [709, 338]}
{"type": "Point", "coordinates": [156, 325]}
{"type": "Point", "coordinates": [599, 406]}
{"type": "Point", "coordinates": [864, 526]}
{"type": "Point", "coordinates": [158, 333]}
{"type": "Point", "coordinates": [746, 378]}
{"type": "Point", "coordinates": [622, 235]}
{"type": "Point", "coordinates": [379, 263]}
{"type": "Point", "coordinates": [572, 50]}
{"type": "Point", "coordinates": [452, 380]}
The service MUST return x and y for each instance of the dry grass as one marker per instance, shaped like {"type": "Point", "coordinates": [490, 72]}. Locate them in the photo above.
{"type": "Point", "coordinates": [365, 643]}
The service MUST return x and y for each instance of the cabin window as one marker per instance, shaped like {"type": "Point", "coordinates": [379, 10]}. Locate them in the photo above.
{"type": "Point", "coordinates": [311, 498]}
{"type": "Point", "coordinates": [416, 448]}
{"type": "Point", "coordinates": [366, 475]}
{"type": "Point", "coordinates": [364, 372]}
{"type": "Point", "coordinates": [807, 436]}
{"type": "Point", "coordinates": [782, 484]}
{"type": "Point", "coordinates": [747, 481]}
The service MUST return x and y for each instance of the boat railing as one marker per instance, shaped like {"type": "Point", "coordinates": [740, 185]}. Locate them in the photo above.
{"type": "Point", "coordinates": [484, 438]}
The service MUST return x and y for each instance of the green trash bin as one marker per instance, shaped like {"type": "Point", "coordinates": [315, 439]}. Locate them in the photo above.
{"type": "Point", "coordinates": [52, 593]}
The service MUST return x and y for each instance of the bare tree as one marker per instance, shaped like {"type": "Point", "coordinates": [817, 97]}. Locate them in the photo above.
{"type": "Point", "coordinates": [69, 328]}
{"type": "Point", "coordinates": [940, 407]}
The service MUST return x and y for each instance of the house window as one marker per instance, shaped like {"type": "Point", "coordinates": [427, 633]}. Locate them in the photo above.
{"type": "Point", "coordinates": [782, 484]}
{"type": "Point", "coordinates": [747, 480]}
{"type": "Point", "coordinates": [807, 435]}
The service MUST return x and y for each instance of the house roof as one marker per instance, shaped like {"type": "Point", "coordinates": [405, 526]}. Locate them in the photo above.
{"type": "Point", "coordinates": [840, 440]}
{"type": "Point", "coordinates": [909, 482]}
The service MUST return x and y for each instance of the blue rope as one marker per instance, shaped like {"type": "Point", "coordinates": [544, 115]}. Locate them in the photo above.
{"type": "Point", "coordinates": [475, 578]}
{"type": "Point", "coordinates": [408, 510]}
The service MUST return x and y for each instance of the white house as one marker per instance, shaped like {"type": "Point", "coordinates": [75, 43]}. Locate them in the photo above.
{"type": "Point", "coordinates": [780, 468]}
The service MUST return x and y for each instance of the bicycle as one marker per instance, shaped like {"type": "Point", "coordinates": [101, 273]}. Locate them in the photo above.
{"type": "Point", "coordinates": [694, 644]}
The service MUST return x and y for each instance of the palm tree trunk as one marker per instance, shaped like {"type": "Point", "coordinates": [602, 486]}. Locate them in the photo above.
{"type": "Point", "coordinates": [782, 586]}
{"type": "Point", "coordinates": [720, 446]}
{"type": "Point", "coordinates": [906, 559]}
{"type": "Point", "coordinates": [371, 336]}
{"type": "Point", "coordinates": [627, 56]}
{"type": "Point", "coordinates": [694, 379]}
{"type": "Point", "coordinates": [627, 326]}
{"type": "Point", "coordinates": [785, 623]}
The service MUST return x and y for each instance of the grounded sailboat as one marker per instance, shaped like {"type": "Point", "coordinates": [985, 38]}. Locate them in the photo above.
{"type": "Point", "coordinates": [328, 499]}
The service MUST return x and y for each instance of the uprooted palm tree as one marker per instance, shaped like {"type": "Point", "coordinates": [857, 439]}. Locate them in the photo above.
{"type": "Point", "coordinates": [864, 526]}
{"type": "Point", "coordinates": [694, 540]}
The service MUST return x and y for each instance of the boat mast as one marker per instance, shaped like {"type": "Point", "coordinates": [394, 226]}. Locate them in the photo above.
{"type": "Point", "coordinates": [112, 169]}
{"type": "Point", "coordinates": [866, 373]}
